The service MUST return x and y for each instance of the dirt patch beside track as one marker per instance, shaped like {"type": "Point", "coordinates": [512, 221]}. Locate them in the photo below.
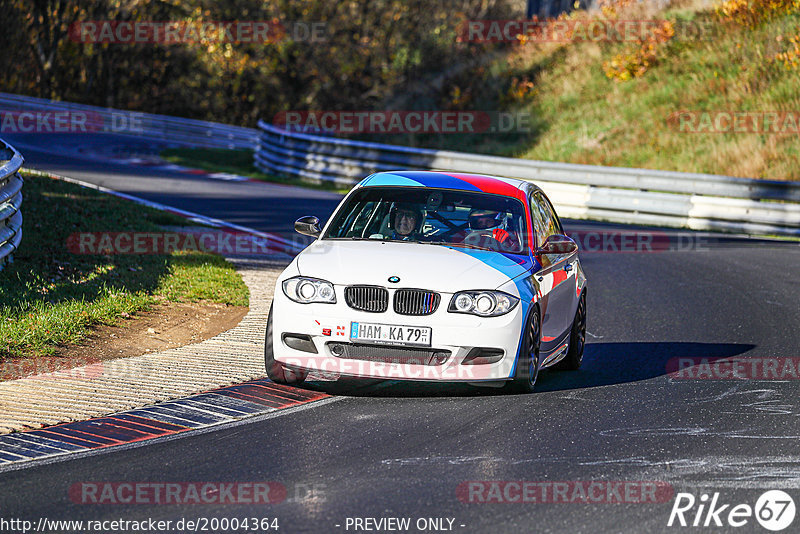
{"type": "Point", "coordinates": [165, 326]}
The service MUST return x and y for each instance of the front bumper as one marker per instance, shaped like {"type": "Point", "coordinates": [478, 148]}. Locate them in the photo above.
{"type": "Point", "coordinates": [327, 325]}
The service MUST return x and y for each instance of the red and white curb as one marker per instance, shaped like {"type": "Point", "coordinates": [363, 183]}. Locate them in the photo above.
{"type": "Point", "coordinates": [213, 408]}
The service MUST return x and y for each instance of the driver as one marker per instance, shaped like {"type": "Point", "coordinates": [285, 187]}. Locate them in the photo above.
{"type": "Point", "coordinates": [406, 222]}
{"type": "Point", "coordinates": [485, 224]}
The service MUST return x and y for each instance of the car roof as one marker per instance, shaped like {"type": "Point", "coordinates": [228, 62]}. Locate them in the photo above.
{"type": "Point", "coordinates": [512, 187]}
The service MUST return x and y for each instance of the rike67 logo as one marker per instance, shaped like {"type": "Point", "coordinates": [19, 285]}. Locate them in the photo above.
{"type": "Point", "coordinates": [774, 510]}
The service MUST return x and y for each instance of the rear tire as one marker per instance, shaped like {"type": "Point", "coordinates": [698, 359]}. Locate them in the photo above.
{"type": "Point", "coordinates": [276, 371]}
{"type": "Point", "coordinates": [577, 339]}
{"type": "Point", "coordinates": [527, 370]}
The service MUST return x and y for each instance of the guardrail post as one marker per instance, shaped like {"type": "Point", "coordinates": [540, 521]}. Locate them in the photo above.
{"type": "Point", "coordinates": [10, 202]}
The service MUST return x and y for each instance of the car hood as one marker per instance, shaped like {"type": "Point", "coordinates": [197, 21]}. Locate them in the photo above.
{"type": "Point", "coordinates": [436, 267]}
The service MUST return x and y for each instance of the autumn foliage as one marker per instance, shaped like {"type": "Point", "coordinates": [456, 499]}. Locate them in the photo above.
{"type": "Point", "coordinates": [373, 50]}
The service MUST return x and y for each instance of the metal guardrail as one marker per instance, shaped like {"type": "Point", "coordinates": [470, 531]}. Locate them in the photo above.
{"type": "Point", "coordinates": [175, 130]}
{"type": "Point", "coordinates": [10, 202]}
{"type": "Point", "coordinates": [632, 196]}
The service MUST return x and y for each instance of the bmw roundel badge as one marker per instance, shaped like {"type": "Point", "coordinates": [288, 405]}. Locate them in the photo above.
{"type": "Point", "coordinates": [394, 279]}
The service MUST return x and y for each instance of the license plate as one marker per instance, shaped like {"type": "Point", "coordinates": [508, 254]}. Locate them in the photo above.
{"type": "Point", "coordinates": [391, 334]}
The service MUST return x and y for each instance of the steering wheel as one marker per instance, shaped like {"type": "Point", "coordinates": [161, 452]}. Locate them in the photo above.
{"type": "Point", "coordinates": [481, 238]}
{"type": "Point", "coordinates": [486, 239]}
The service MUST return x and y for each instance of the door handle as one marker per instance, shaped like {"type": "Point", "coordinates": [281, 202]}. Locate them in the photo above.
{"type": "Point", "coordinates": [568, 267]}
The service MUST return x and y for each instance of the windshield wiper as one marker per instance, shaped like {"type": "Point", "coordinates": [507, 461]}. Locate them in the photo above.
{"type": "Point", "coordinates": [451, 244]}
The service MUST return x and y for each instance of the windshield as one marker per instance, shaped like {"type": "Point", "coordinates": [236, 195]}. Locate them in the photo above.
{"type": "Point", "coordinates": [436, 216]}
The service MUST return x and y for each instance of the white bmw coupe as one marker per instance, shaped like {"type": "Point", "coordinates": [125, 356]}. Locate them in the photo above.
{"type": "Point", "coordinates": [431, 276]}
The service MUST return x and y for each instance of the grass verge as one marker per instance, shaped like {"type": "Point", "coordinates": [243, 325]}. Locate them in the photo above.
{"type": "Point", "coordinates": [237, 162]}
{"type": "Point", "coordinates": [50, 297]}
{"type": "Point", "coordinates": [590, 118]}
{"type": "Point", "coordinates": [711, 68]}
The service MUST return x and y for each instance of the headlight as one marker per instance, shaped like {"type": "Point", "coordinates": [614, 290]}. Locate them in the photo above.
{"type": "Point", "coordinates": [483, 303]}
{"type": "Point", "coordinates": [307, 290]}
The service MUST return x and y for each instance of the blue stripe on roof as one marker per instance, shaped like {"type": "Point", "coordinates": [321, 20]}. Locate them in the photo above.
{"type": "Point", "coordinates": [387, 178]}
{"type": "Point", "coordinates": [435, 179]}
{"type": "Point", "coordinates": [439, 179]}
{"type": "Point", "coordinates": [420, 179]}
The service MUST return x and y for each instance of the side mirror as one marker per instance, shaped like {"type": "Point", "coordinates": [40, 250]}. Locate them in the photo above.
{"type": "Point", "coordinates": [558, 244]}
{"type": "Point", "coordinates": [308, 225]}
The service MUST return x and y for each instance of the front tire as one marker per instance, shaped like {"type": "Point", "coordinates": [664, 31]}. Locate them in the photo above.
{"type": "Point", "coordinates": [527, 370]}
{"type": "Point", "coordinates": [577, 339]}
{"type": "Point", "coordinates": [276, 371]}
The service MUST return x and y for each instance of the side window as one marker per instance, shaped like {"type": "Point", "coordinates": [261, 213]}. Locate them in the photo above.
{"type": "Point", "coordinates": [539, 224]}
{"type": "Point", "coordinates": [549, 224]}
{"type": "Point", "coordinates": [555, 226]}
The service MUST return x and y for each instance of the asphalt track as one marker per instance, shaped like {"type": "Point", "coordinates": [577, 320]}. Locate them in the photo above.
{"type": "Point", "coordinates": [388, 449]}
